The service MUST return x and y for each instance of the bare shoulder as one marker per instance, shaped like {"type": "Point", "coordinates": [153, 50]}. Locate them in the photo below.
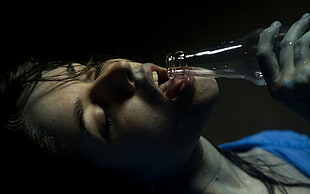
{"type": "Point", "coordinates": [297, 190]}
{"type": "Point", "coordinates": [286, 170]}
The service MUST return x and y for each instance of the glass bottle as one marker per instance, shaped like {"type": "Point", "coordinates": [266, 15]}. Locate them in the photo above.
{"type": "Point", "coordinates": [233, 59]}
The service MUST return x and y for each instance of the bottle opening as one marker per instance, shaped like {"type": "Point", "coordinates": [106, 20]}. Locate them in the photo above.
{"type": "Point", "coordinates": [176, 65]}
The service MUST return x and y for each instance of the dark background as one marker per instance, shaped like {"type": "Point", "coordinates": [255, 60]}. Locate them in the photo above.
{"type": "Point", "coordinates": [147, 31]}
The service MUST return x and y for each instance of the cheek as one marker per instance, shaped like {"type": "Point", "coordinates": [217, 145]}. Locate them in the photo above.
{"type": "Point", "coordinates": [143, 129]}
{"type": "Point", "coordinates": [141, 119]}
{"type": "Point", "coordinates": [54, 116]}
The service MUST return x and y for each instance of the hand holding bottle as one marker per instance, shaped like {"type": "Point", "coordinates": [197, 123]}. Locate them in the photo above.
{"type": "Point", "coordinates": [288, 75]}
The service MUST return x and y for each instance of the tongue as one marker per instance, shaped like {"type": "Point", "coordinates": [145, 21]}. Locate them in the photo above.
{"type": "Point", "coordinates": [173, 87]}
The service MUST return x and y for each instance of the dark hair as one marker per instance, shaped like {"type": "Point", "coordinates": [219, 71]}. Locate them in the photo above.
{"type": "Point", "coordinates": [18, 133]}
{"type": "Point", "coordinates": [29, 71]}
{"type": "Point", "coordinates": [263, 172]}
{"type": "Point", "coordinates": [30, 150]}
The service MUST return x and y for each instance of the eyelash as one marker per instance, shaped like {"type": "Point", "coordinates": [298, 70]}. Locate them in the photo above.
{"type": "Point", "coordinates": [108, 115]}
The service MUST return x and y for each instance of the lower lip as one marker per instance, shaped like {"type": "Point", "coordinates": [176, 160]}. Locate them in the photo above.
{"type": "Point", "coordinates": [177, 86]}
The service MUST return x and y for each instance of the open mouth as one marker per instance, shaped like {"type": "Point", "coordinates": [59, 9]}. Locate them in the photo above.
{"type": "Point", "coordinates": [170, 88]}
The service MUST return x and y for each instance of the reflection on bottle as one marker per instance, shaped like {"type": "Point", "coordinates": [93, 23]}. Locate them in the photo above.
{"type": "Point", "coordinates": [234, 59]}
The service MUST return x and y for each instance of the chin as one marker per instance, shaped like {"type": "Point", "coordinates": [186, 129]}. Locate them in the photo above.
{"type": "Point", "coordinates": [195, 113]}
{"type": "Point", "coordinates": [196, 109]}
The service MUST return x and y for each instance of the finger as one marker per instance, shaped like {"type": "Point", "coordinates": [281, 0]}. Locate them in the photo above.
{"type": "Point", "coordinates": [302, 51]}
{"type": "Point", "coordinates": [287, 52]}
{"type": "Point", "coordinates": [266, 56]}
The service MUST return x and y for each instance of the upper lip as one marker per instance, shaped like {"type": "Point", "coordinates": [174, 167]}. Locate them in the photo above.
{"type": "Point", "coordinates": [162, 75]}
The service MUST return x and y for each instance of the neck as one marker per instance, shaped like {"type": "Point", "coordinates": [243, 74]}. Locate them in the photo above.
{"type": "Point", "coordinates": [206, 170]}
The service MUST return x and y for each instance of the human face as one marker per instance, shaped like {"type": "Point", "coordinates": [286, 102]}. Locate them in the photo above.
{"type": "Point", "coordinates": [122, 118]}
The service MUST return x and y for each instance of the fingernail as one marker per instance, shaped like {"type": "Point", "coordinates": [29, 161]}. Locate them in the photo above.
{"type": "Point", "coordinates": [305, 15]}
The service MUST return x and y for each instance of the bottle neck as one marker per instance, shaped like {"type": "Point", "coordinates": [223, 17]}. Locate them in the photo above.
{"type": "Point", "coordinates": [231, 59]}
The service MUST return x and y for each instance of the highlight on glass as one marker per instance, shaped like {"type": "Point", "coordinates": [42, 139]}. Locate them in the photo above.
{"type": "Point", "coordinates": [234, 59]}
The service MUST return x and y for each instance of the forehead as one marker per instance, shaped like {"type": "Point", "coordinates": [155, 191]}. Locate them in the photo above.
{"type": "Point", "coordinates": [50, 84]}
{"type": "Point", "coordinates": [51, 104]}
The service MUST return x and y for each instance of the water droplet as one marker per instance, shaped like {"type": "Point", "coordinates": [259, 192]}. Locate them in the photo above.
{"type": "Point", "coordinates": [245, 52]}
{"type": "Point", "coordinates": [225, 66]}
{"type": "Point", "coordinates": [290, 43]}
{"type": "Point", "coordinates": [213, 68]}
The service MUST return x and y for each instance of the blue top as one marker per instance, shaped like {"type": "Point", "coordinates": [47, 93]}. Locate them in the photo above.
{"type": "Point", "coordinates": [291, 146]}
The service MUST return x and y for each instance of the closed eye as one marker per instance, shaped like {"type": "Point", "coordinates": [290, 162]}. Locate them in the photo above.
{"type": "Point", "coordinates": [79, 114]}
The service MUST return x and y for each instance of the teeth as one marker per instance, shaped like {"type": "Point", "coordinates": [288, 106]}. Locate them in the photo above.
{"type": "Point", "coordinates": [155, 77]}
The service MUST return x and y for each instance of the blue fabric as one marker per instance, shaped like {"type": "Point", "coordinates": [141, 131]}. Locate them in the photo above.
{"type": "Point", "coordinates": [291, 146]}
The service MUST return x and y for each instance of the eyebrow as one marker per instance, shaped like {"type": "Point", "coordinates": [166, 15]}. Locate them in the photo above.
{"type": "Point", "coordinates": [79, 112]}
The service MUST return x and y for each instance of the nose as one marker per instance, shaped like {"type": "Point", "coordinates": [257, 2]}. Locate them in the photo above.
{"type": "Point", "coordinates": [114, 85]}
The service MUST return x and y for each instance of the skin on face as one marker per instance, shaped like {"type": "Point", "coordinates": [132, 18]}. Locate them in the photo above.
{"type": "Point", "coordinates": [129, 122]}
